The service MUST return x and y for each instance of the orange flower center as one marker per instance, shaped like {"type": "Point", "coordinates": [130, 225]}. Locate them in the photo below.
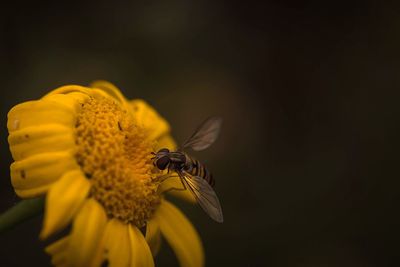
{"type": "Point", "coordinates": [115, 155]}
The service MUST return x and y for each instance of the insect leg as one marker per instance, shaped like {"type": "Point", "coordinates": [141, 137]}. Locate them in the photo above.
{"type": "Point", "coordinates": [166, 176]}
{"type": "Point", "coordinates": [184, 186]}
{"type": "Point", "coordinates": [174, 188]}
{"type": "Point", "coordinates": [179, 189]}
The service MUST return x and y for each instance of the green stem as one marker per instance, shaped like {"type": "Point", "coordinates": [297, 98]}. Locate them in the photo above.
{"type": "Point", "coordinates": [21, 212]}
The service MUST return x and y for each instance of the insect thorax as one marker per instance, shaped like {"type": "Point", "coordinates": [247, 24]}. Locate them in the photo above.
{"type": "Point", "coordinates": [177, 159]}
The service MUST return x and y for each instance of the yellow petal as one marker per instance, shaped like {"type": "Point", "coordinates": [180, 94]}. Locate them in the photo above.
{"type": "Point", "coordinates": [110, 89]}
{"type": "Point", "coordinates": [153, 236]}
{"type": "Point", "coordinates": [32, 176]}
{"type": "Point", "coordinates": [117, 243]}
{"type": "Point", "coordinates": [87, 235]}
{"type": "Point", "coordinates": [63, 201]}
{"type": "Point", "coordinates": [67, 100]}
{"type": "Point", "coordinates": [60, 259]}
{"type": "Point", "coordinates": [40, 112]}
{"type": "Point", "coordinates": [69, 89]}
{"type": "Point", "coordinates": [140, 251]}
{"type": "Point", "coordinates": [80, 97]}
{"type": "Point", "coordinates": [57, 251]}
{"type": "Point", "coordinates": [58, 246]}
{"type": "Point", "coordinates": [40, 139]}
{"type": "Point", "coordinates": [147, 117]}
{"type": "Point", "coordinates": [166, 141]}
{"type": "Point", "coordinates": [180, 234]}
{"type": "Point", "coordinates": [173, 186]}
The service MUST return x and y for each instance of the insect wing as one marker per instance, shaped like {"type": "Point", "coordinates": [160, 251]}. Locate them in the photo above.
{"type": "Point", "coordinates": [205, 135]}
{"type": "Point", "coordinates": [204, 194]}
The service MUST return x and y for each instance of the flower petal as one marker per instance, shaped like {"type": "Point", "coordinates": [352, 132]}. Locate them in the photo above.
{"type": "Point", "coordinates": [40, 112]}
{"type": "Point", "coordinates": [166, 141]}
{"type": "Point", "coordinates": [40, 139]}
{"type": "Point", "coordinates": [60, 259]}
{"type": "Point", "coordinates": [147, 117]}
{"type": "Point", "coordinates": [141, 254]}
{"type": "Point", "coordinates": [173, 186]}
{"type": "Point", "coordinates": [58, 246]}
{"type": "Point", "coordinates": [110, 89]}
{"type": "Point", "coordinates": [153, 236]}
{"type": "Point", "coordinates": [87, 233]}
{"type": "Point", "coordinates": [63, 201]}
{"type": "Point", "coordinates": [57, 251]}
{"type": "Point", "coordinates": [117, 243]}
{"type": "Point", "coordinates": [70, 100]}
{"type": "Point", "coordinates": [180, 234]}
{"type": "Point", "coordinates": [69, 89]}
{"type": "Point", "coordinates": [32, 176]}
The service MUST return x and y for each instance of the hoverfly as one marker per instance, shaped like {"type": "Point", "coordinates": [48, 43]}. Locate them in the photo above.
{"type": "Point", "coordinates": [193, 174]}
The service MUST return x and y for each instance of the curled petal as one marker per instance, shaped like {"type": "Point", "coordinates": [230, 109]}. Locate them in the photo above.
{"type": "Point", "coordinates": [33, 140]}
{"type": "Point", "coordinates": [117, 243]}
{"type": "Point", "coordinates": [147, 117]}
{"type": "Point", "coordinates": [63, 201]}
{"type": "Point", "coordinates": [153, 236]}
{"type": "Point", "coordinates": [33, 176]}
{"type": "Point", "coordinates": [57, 251]}
{"type": "Point", "coordinates": [85, 245]}
{"type": "Point", "coordinates": [109, 89]}
{"type": "Point", "coordinates": [140, 251]}
{"type": "Point", "coordinates": [69, 89]}
{"type": "Point", "coordinates": [180, 234]}
{"type": "Point", "coordinates": [40, 112]}
{"type": "Point", "coordinates": [166, 141]}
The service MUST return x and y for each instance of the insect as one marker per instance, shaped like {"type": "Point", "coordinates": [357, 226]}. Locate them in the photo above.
{"type": "Point", "coordinates": [193, 174]}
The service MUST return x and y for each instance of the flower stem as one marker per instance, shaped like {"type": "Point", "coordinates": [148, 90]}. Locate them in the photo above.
{"type": "Point", "coordinates": [21, 212]}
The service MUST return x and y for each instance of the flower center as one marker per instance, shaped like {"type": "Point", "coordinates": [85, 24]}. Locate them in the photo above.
{"type": "Point", "coordinates": [115, 155]}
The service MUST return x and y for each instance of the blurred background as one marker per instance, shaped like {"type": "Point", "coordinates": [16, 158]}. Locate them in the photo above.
{"type": "Point", "coordinates": [307, 162]}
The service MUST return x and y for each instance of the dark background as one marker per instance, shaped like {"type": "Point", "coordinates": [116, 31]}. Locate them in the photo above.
{"type": "Point", "coordinates": [307, 163]}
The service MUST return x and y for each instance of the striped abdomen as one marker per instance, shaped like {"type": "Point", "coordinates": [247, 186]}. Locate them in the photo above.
{"type": "Point", "coordinates": [196, 168]}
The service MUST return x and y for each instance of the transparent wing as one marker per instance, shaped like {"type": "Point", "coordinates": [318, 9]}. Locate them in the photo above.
{"type": "Point", "coordinates": [204, 194]}
{"type": "Point", "coordinates": [205, 135]}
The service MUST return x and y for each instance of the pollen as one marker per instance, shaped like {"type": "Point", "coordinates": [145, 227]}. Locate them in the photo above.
{"type": "Point", "coordinates": [115, 155]}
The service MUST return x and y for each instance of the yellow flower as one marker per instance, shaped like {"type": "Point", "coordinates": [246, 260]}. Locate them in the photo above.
{"type": "Point", "coordinates": [88, 150]}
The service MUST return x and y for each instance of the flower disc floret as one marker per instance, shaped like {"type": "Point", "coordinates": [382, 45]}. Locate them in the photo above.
{"type": "Point", "coordinates": [115, 155]}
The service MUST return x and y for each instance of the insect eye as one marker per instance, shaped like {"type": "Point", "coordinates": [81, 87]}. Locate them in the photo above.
{"type": "Point", "coordinates": [162, 163]}
{"type": "Point", "coordinates": [163, 150]}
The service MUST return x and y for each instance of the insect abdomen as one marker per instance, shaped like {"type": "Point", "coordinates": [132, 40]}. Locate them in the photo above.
{"type": "Point", "coordinates": [196, 168]}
